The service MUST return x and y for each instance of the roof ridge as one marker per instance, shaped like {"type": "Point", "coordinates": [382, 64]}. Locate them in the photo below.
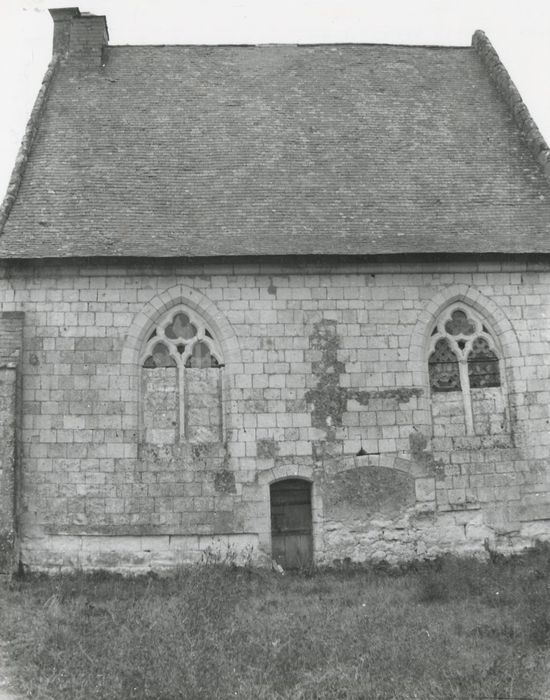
{"type": "Point", "coordinates": [26, 144]}
{"type": "Point", "coordinates": [271, 44]}
{"type": "Point", "coordinates": [508, 90]}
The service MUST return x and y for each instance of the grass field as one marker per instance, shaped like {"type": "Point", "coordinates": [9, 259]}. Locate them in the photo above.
{"type": "Point", "coordinates": [447, 629]}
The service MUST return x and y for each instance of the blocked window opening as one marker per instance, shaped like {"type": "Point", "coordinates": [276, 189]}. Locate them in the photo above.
{"type": "Point", "coordinates": [181, 382]}
{"type": "Point", "coordinates": [465, 376]}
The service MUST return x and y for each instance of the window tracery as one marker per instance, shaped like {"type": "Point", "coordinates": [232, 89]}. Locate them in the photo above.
{"type": "Point", "coordinates": [463, 357]}
{"type": "Point", "coordinates": [181, 381]}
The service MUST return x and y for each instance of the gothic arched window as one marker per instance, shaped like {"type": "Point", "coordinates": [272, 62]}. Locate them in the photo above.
{"type": "Point", "coordinates": [465, 376]}
{"type": "Point", "coordinates": [181, 382]}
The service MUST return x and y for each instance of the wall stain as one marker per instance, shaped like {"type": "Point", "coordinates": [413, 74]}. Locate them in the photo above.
{"type": "Point", "coordinates": [224, 481]}
{"type": "Point", "coordinates": [418, 443]}
{"type": "Point", "coordinates": [272, 289]}
{"type": "Point", "coordinates": [267, 448]}
{"type": "Point", "coordinates": [328, 398]}
{"type": "Point", "coordinates": [401, 395]}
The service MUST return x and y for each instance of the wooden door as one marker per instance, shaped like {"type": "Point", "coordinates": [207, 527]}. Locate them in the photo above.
{"type": "Point", "coordinates": [291, 537]}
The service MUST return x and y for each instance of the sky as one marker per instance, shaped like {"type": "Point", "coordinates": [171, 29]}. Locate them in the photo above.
{"type": "Point", "coordinates": [519, 30]}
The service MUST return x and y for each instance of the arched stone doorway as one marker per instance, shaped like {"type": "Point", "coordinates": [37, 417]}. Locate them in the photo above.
{"type": "Point", "coordinates": [291, 523]}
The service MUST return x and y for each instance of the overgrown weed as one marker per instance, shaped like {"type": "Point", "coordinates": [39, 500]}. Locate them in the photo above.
{"type": "Point", "coordinates": [450, 628]}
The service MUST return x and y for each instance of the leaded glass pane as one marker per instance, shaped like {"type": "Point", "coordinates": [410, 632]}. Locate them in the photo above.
{"type": "Point", "coordinates": [483, 370]}
{"type": "Point", "coordinates": [443, 368]}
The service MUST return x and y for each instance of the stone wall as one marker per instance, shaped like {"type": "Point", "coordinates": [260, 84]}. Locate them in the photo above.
{"type": "Point", "coordinates": [319, 362]}
{"type": "Point", "coordinates": [11, 326]}
{"type": "Point", "coordinates": [8, 536]}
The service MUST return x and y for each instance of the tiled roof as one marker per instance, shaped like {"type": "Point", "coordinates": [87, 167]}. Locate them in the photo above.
{"type": "Point", "coordinates": [270, 150]}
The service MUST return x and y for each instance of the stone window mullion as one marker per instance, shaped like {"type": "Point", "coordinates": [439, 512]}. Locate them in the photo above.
{"type": "Point", "coordinates": [466, 395]}
{"type": "Point", "coordinates": [181, 392]}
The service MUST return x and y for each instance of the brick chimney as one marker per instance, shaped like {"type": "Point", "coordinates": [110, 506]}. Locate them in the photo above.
{"type": "Point", "coordinates": [79, 37]}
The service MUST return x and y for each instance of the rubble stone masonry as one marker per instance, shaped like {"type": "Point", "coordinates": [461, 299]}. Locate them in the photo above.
{"type": "Point", "coordinates": [319, 362]}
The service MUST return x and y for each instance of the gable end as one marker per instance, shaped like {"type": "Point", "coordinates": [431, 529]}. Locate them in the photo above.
{"type": "Point", "coordinates": [506, 87]}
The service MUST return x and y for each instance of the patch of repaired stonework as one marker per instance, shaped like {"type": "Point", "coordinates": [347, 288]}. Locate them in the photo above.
{"type": "Point", "coordinates": [360, 493]}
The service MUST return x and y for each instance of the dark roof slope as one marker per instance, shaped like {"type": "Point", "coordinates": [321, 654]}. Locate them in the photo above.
{"type": "Point", "coordinates": [261, 150]}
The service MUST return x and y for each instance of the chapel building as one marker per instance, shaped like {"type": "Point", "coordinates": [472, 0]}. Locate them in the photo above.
{"type": "Point", "coordinates": [273, 302]}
